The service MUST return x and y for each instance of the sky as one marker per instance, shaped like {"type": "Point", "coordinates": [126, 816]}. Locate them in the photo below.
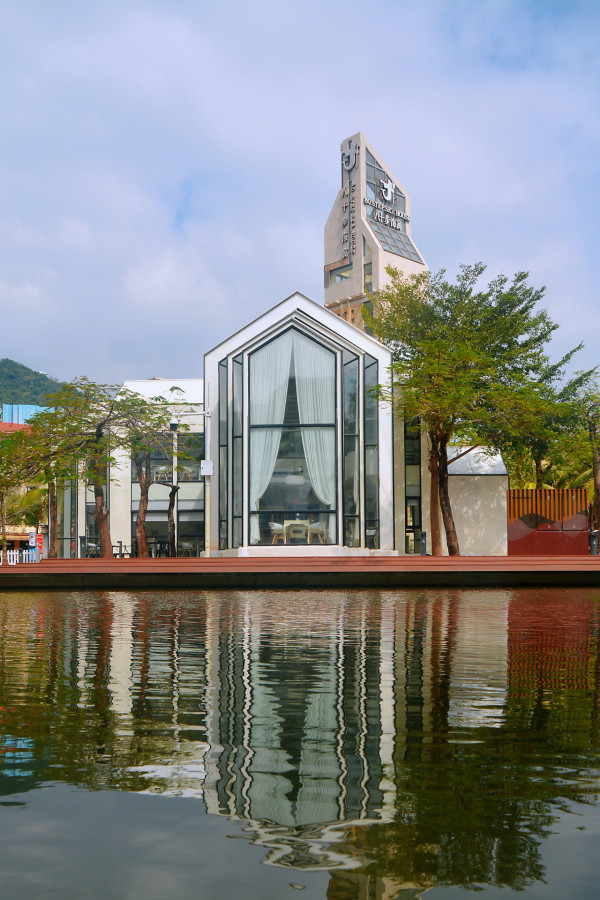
{"type": "Point", "coordinates": [167, 166]}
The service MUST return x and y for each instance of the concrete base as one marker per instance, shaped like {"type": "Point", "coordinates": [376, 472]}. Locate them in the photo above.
{"type": "Point", "coordinates": [299, 550]}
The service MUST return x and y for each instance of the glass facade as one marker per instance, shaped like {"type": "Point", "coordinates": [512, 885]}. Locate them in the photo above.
{"type": "Point", "coordinates": [188, 510]}
{"type": "Point", "coordinates": [298, 445]}
{"type": "Point", "coordinates": [388, 222]}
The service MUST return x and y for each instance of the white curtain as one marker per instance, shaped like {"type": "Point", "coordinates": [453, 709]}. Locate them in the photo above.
{"type": "Point", "coordinates": [269, 377]}
{"type": "Point", "coordinates": [315, 388]}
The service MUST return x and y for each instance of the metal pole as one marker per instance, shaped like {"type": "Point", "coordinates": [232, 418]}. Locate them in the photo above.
{"type": "Point", "coordinates": [207, 515]}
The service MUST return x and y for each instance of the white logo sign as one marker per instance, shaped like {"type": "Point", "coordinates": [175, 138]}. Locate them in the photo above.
{"type": "Point", "coordinates": [349, 156]}
{"type": "Point", "coordinates": [388, 189]}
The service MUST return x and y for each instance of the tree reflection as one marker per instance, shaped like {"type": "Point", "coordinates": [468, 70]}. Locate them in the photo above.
{"type": "Point", "coordinates": [402, 741]}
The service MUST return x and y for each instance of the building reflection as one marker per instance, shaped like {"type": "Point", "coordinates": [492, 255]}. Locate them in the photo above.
{"type": "Point", "coordinates": [394, 732]}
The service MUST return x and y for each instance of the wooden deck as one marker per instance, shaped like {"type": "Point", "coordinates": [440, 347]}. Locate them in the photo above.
{"type": "Point", "coordinates": [287, 572]}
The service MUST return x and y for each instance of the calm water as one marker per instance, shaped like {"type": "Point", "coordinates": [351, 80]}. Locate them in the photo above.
{"type": "Point", "coordinates": [348, 745]}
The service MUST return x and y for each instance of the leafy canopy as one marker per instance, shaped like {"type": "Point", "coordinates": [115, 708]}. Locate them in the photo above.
{"type": "Point", "coordinates": [468, 361]}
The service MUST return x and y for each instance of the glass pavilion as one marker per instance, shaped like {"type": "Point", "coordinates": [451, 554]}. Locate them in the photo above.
{"type": "Point", "coordinates": [302, 450]}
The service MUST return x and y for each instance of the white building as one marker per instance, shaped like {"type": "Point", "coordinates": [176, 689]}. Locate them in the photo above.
{"type": "Point", "coordinates": [78, 534]}
{"type": "Point", "coordinates": [303, 453]}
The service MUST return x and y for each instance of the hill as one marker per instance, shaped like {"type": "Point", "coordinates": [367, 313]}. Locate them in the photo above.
{"type": "Point", "coordinates": [20, 384]}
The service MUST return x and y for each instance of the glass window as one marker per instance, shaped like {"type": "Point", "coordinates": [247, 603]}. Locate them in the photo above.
{"type": "Point", "coordinates": [66, 509]}
{"type": "Point", "coordinates": [237, 450]}
{"type": "Point", "coordinates": [412, 482]}
{"type": "Point", "coordinates": [92, 534]}
{"type": "Point", "coordinates": [237, 477]}
{"type": "Point", "coordinates": [238, 396]}
{"type": "Point", "coordinates": [190, 452]}
{"type": "Point", "coordinates": [351, 472]}
{"type": "Point", "coordinates": [157, 532]}
{"type": "Point", "coordinates": [190, 533]}
{"type": "Point", "coordinates": [371, 408]}
{"type": "Point", "coordinates": [292, 447]}
{"type": "Point", "coordinates": [223, 483]}
{"type": "Point", "coordinates": [341, 274]}
{"type": "Point", "coordinates": [351, 475]}
{"type": "Point", "coordinates": [368, 276]}
{"type": "Point", "coordinates": [351, 396]}
{"type": "Point", "coordinates": [223, 402]}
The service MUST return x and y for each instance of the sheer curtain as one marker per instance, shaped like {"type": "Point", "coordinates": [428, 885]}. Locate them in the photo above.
{"type": "Point", "coordinates": [315, 388]}
{"type": "Point", "coordinates": [269, 376]}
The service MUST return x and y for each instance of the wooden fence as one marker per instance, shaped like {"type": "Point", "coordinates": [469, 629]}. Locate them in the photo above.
{"type": "Point", "coordinates": [545, 521]}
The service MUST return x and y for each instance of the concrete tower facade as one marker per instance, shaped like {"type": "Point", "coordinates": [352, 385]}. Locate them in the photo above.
{"type": "Point", "coordinates": [367, 230]}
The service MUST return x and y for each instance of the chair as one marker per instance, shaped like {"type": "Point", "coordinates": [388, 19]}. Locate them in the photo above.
{"type": "Point", "coordinates": [277, 532]}
{"type": "Point", "coordinates": [318, 530]}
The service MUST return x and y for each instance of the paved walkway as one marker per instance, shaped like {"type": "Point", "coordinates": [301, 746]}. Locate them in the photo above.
{"type": "Point", "coordinates": [249, 573]}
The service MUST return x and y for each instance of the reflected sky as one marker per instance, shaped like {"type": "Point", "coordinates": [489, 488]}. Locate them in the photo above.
{"type": "Point", "coordinates": [355, 744]}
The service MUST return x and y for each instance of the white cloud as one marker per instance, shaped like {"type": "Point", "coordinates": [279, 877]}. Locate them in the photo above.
{"type": "Point", "coordinates": [180, 160]}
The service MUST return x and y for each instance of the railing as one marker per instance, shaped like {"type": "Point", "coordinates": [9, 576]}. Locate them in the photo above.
{"type": "Point", "coordinates": [20, 556]}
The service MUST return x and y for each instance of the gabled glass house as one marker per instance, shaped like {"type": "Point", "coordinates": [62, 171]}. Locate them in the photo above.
{"type": "Point", "coordinates": [302, 451]}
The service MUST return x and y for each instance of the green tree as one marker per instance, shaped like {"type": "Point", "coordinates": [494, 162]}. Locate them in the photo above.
{"type": "Point", "coordinates": [73, 435]}
{"type": "Point", "coordinates": [86, 429]}
{"type": "Point", "coordinates": [468, 363]}
{"type": "Point", "coordinates": [559, 427]}
{"type": "Point", "coordinates": [18, 467]}
{"type": "Point", "coordinates": [593, 426]}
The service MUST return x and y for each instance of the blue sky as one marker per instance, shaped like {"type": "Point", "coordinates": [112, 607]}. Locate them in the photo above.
{"type": "Point", "coordinates": [168, 165]}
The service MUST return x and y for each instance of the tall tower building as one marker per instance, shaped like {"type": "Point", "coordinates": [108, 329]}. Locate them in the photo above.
{"type": "Point", "coordinates": [368, 229]}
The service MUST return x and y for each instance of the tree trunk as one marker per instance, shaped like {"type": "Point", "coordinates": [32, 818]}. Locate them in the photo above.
{"type": "Point", "coordinates": [171, 520]}
{"type": "Point", "coordinates": [596, 470]}
{"type": "Point", "coordinates": [441, 451]}
{"type": "Point", "coordinates": [540, 473]}
{"type": "Point", "coordinates": [434, 508]}
{"type": "Point", "coordinates": [101, 517]}
{"type": "Point", "coordinates": [52, 520]}
{"type": "Point", "coordinates": [142, 465]}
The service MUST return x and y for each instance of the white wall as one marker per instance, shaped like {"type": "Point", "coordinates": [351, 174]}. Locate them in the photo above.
{"type": "Point", "coordinates": [479, 508]}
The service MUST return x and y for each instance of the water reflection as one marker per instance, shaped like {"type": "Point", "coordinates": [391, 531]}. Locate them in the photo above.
{"type": "Point", "coordinates": [401, 740]}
